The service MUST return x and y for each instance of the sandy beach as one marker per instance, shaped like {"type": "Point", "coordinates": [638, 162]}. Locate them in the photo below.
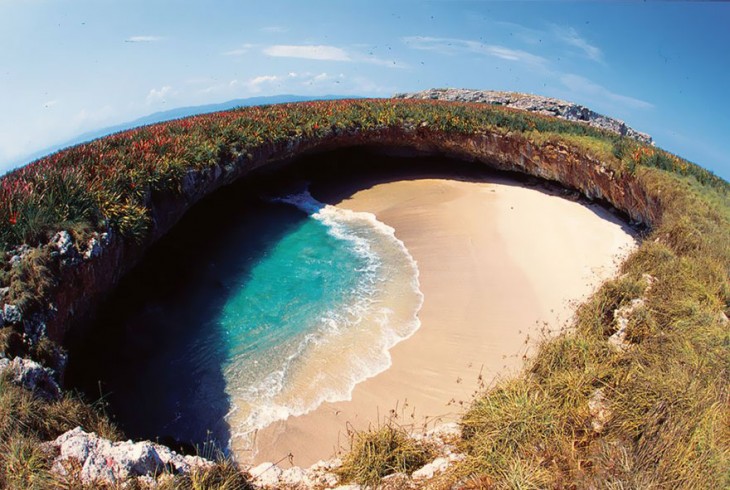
{"type": "Point", "coordinates": [500, 264]}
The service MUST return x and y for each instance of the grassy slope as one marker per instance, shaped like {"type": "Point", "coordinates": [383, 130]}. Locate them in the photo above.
{"type": "Point", "coordinates": [666, 395]}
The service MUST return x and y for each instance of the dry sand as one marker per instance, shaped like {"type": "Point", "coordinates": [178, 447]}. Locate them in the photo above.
{"type": "Point", "coordinates": [498, 262]}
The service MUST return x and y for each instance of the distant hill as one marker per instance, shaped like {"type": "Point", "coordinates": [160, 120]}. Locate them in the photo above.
{"type": "Point", "coordinates": [168, 116]}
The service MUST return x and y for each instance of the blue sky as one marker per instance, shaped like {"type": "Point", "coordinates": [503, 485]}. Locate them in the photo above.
{"type": "Point", "coordinates": [71, 66]}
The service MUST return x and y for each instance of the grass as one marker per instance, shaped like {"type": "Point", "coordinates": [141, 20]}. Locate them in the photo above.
{"type": "Point", "coordinates": [380, 452]}
{"type": "Point", "coordinates": [23, 465]}
{"type": "Point", "coordinates": [666, 394]}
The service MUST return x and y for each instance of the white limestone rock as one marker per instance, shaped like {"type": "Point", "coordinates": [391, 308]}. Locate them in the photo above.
{"type": "Point", "coordinates": [12, 314]}
{"type": "Point", "coordinates": [101, 460]}
{"type": "Point", "coordinates": [32, 376]}
{"type": "Point", "coordinates": [267, 475]}
{"type": "Point", "coordinates": [295, 476]}
{"type": "Point", "coordinates": [438, 465]}
{"type": "Point", "coordinates": [63, 243]}
{"type": "Point", "coordinates": [598, 408]}
{"type": "Point", "coordinates": [93, 249]}
{"type": "Point", "coordinates": [621, 317]}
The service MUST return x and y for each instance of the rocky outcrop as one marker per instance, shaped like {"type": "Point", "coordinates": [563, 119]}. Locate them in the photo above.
{"type": "Point", "coordinates": [622, 317]}
{"type": "Point", "coordinates": [32, 376]}
{"type": "Point", "coordinates": [532, 103]}
{"type": "Point", "coordinates": [86, 457]}
{"type": "Point", "coordinates": [599, 410]}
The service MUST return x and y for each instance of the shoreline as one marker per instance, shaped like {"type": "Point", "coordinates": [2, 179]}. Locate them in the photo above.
{"type": "Point", "coordinates": [351, 342]}
{"type": "Point", "coordinates": [488, 293]}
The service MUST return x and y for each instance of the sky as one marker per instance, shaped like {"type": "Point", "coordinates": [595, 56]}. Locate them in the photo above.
{"type": "Point", "coordinates": [72, 66]}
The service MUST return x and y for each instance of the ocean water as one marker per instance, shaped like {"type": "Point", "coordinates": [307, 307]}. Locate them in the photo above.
{"type": "Point", "coordinates": [278, 310]}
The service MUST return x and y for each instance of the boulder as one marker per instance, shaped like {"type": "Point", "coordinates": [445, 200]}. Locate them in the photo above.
{"type": "Point", "coordinates": [295, 476]}
{"type": "Point", "coordinates": [64, 247]}
{"type": "Point", "coordinates": [93, 249]}
{"type": "Point", "coordinates": [622, 317]}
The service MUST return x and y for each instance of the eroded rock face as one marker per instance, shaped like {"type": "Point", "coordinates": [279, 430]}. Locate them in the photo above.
{"type": "Point", "coordinates": [93, 459]}
{"type": "Point", "coordinates": [532, 103]}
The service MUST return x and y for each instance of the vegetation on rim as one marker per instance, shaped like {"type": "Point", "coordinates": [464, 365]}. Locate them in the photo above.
{"type": "Point", "coordinates": [664, 391]}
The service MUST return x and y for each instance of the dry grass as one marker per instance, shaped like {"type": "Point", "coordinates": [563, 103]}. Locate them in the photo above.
{"type": "Point", "coordinates": [23, 466]}
{"type": "Point", "coordinates": [225, 475]}
{"type": "Point", "coordinates": [383, 451]}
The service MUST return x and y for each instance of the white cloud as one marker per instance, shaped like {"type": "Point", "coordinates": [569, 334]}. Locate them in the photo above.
{"type": "Point", "coordinates": [50, 104]}
{"type": "Point", "coordinates": [599, 93]}
{"type": "Point", "coordinates": [310, 52]}
{"type": "Point", "coordinates": [450, 46]}
{"type": "Point", "coordinates": [263, 79]}
{"type": "Point", "coordinates": [143, 39]}
{"type": "Point", "coordinates": [159, 95]}
{"type": "Point", "coordinates": [328, 53]}
{"type": "Point", "coordinates": [571, 37]}
{"type": "Point", "coordinates": [245, 48]}
{"type": "Point", "coordinates": [297, 82]}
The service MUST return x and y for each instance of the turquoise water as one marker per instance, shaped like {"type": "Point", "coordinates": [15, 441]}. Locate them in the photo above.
{"type": "Point", "coordinates": [247, 316]}
{"type": "Point", "coordinates": [301, 279]}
